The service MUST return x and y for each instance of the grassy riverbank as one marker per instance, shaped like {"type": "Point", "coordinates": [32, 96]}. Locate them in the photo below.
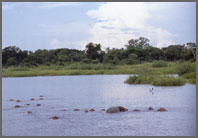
{"type": "Point", "coordinates": [159, 74]}
{"type": "Point", "coordinates": [145, 69]}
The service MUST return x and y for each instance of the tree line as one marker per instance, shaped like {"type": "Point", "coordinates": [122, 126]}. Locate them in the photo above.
{"type": "Point", "coordinates": [136, 51]}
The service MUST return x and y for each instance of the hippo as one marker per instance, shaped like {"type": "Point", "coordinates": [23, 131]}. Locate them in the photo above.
{"type": "Point", "coordinates": [150, 108]}
{"type": "Point", "coordinates": [17, 106]}
{"type": "Point", "coordinates": [92, 110]}
{"type": "Point", "coordinates": [41, 98]}
{"type": "Point", "coordinates": [136, 110]}
{"type": "Point", "coordinates": [161, 109]}
{"type": "Point", "coordinates": [116, 109]}
{"type": "Point", "coordinates": [29, 112]}
{"type": "Point", "coordinates": [55, 117]}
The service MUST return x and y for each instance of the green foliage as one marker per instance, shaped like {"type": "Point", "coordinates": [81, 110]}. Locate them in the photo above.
{"type": "Point", "coordinates": [96, 61]}
{"type": "Point", "coordinates": [190, 75]}
{"type": "Point", "coordinates": [132, 59]}
{"type": "Point", "coordinates": [78, 66]}
{"type": "Point", "coordinates": [174, 52]}
{"type": "Point", "coordinates": [139, 79]}
{"type": "Point", "coordinates": [141, 42]}
{"type": "Point", "coordinates": [86, 60]}
{"type": "Point", "coordinates": [158, 64]}
{"type": "Point", "coordinates": [93, 51]}
{"type": "Point", "coordinates": [193, 81]}
{"type": "Point", "coordinates": [185, 67]}
{"type": "Point", "coordinates": [144, 71]}
{"type": "Point", "coordinates": [156, 80]}
{"type": "Point", "coordinates": [136, 51]}
{"type": "Point", "coordinates": [12, 61]}
{"type": "Point", "coordinates": [168, 81]}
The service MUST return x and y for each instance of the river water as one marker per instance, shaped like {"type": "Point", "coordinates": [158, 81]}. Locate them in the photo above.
{"type": "Point", "coordinates": [98, 92]}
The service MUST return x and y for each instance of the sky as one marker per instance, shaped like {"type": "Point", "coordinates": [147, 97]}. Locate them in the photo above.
{"type": "Point", "coordinates": [52, 25]}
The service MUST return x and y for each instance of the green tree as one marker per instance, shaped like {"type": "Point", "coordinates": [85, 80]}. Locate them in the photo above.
{"type": "Point", "coordinates": [141, 42]}
{"type": "Point", "coordinates": [174, 52]}
{"type": "Point", "coordinates": [93, 51]}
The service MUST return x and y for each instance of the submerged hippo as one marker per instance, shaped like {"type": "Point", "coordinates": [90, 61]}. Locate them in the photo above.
{"type": "Point", "coordinates": [136, 110]}
{"type": "Point", "coordinates": [55, 117]}
{"type": "Point", "coordinates": [116, 109]}
{"type": "Point", "coordinates": [92, 110]}
{"type": "Point", "coordinates": [161, 109]}
{"type": "Point", "coordinates": [150, 108]}
{"type": "Point", "coordinates": [29, 112]}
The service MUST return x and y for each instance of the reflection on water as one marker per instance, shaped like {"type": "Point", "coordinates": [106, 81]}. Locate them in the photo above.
{"type": "Point", "coordinates": [95, 91]}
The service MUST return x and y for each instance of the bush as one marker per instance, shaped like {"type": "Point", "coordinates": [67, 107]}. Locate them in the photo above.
{"type": "Point", "coordinates": [156, 80]}
{"type": "Point", "coordinates": [193, 81]}
{"type": "Point", "coordinates": [185, 67]}
{"type": "Point", "coordinates": [96, 61]}
{"type": "Point", "coordinates": [168, 81]}
{"type": "Point", "coordinates": [12, 61]}
{"type": "Point", "coordinates": [78, 66]}
{"type": "Point", "coordinates": [139, 79]}
{"type": "Point", "coordinates": [191, 75]}
{"type": "Point", "coordinates": [132, 80]}
{"type": "Point", "coordinates": [86, 60]}
{"type": "Point", "coordinates": [143, 70]}
{"type": "Point", "coordinates": [158, 64]}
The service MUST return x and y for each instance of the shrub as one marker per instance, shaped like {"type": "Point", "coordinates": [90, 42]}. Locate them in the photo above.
{"type": "Point", "coordinates": [132, 80]}
{"type": "Point", "coordinates": [158, 64]}
{"type": "Point", "coordinates": [191, 75]}
{"type": "Point", "coordinates": [12, 61]}
{"type": "Point", "coordinates": [78, 66]}
{"type": "Point", "coordinates": [96, 61]}
{"type": "Point", "coordinates": [193, 81]}
{"type": "Point", "coordinates": [156, 80]}
{"type": "Point", "coordinates": [185, 67]}
{"type": "Point", "coordinates": [168, 81]}
{"type": "Point", "coordinates": [143, 70]}
{"type": "Point", "coordinates": [86, 60]}
{"type": "Point", "coordinates": [139, 79]}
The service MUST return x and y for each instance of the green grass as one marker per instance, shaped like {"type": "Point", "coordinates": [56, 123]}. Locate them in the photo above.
{"type": "Point", "coordinates": [159, 64]}
{"type": "Point", "coordinates": [191, 77]}
{"type": "Point", "coordinates": [185, 67]}
{"type": "Point", "coordinates": [156, 80]}
{"type": "Point", "coordinates": [147, 74]}
{"type": "Point", "coordinates": [193, 81]}
{"type": "Point", "coordinates": [168, 81]}
{"type": "Point", "coordinates": [146, 71]}
{"type": "Point", "coordinates": [139, 79]}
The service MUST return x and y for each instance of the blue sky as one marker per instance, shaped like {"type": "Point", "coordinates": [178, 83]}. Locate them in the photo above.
{"type": "Point", "coordinates": [51, 25]}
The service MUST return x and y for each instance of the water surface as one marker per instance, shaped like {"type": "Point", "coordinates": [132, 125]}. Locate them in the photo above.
{"type": "Point", "coordinates": [95, 91]}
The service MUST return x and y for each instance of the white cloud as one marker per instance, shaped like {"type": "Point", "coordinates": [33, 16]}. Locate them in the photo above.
{"type": "Point", "coordinates": [118, 22]}
{"type": "Point", "coordinates": [68, 35]}
{"type": "Point", "coordinates": [56, 43]}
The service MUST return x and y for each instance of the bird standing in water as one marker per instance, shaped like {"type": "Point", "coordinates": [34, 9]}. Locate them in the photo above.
{"type": "Point", "coordinates": [151, 91]}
